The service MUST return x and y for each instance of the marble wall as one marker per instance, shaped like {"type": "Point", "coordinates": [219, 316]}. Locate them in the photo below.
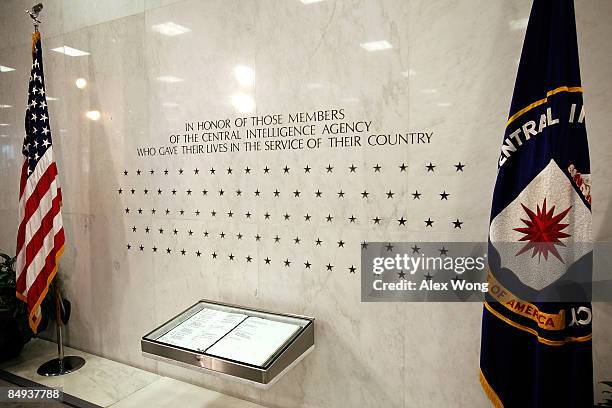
{"type": "Point", "coordinates": [448, 68]}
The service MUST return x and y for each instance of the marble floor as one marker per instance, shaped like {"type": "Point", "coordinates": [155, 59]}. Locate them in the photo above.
{"type": "Point", "coordinates": [111, 384]}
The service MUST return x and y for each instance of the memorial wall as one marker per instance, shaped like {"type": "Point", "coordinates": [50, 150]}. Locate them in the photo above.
{"type": "Point", "coordinates": [246, 151]}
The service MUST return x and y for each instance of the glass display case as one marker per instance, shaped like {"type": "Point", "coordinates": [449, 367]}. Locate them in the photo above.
{"type": "Point", "coordinates": [252, 345]}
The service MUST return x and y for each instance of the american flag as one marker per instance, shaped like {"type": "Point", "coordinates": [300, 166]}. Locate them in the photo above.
{"type": "Point", "coordinates": [40, 238]}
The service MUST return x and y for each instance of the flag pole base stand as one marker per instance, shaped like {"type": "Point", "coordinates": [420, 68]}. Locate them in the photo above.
{"type": "Point", "coordinates": [56, 367]}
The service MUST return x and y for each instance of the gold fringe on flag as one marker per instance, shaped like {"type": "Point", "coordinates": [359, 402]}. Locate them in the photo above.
{"type": "Point", "coordinates": [490, 393]}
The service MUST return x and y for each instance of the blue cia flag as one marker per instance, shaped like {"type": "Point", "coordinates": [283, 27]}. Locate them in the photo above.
{"type": "Point", "coordinates": [536, 336]}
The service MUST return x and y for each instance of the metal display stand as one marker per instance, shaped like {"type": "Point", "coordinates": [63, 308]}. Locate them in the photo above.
{"type": "Point", "coordinates": [283, 359]}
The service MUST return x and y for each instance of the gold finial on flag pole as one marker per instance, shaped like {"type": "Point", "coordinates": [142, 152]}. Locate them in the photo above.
{"type": "Point", "coordinates": [33, 12]}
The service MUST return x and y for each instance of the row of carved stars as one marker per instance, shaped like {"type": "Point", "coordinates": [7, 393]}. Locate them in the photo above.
{"type": "Point", "coordinates": [287, 170]}
{"type": "Point", "coordinates": [296, 194]}
{"type": "Point", "coordinates": [249, 259]}
{"type": "Point", "coordinates": [297, 241]}
{"type": "Point", "coordinates": [329, 218]}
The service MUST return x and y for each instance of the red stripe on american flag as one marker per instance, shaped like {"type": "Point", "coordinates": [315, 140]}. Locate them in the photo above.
{"type": "Point", "coordinates": [33, 202]}
{"type": "Point", "coordinates": [35, 243]}
{"type": "Point", "coordinates": [38, 290]}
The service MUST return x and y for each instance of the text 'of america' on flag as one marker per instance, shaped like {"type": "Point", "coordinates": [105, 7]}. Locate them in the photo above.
{"type": "Point", "coordinates": [40, 237]}
{"type": "Point", "coordinates": [536, 328]}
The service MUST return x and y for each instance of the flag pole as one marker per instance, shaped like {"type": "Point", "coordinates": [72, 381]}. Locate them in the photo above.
{"type": "Point", "coordinates": [61, 365]}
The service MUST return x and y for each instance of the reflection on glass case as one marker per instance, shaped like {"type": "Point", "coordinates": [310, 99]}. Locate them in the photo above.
{"type": "Point", "coordinates": [249, 344]}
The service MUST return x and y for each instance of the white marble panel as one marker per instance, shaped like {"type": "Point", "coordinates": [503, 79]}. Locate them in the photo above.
{"type": "Point", "coordinates": [449, 70]}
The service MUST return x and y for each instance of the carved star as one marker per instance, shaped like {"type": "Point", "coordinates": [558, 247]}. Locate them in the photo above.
{"type": "Point", "coordinates": [376, 220]}
{"type": "Point", "coordinates": [352, 168]}
{"type": "Point", "coordinates": [329, 168]}
{"type": "Point", "coordinates": [403, 167]}
{"type": "Point", "coordinates": [459, 167]}
{"type": "Point", "coordinates": [390, 194]}
{"type": "Point", "coordinates": [389, 247]}
{"type": "Point", "coordinates": [318, 193]}
{"type": "Point", "coordinates": [365, 194]}
{"type": "Point", "coordinates": [307, 264]}
{"type": "Point", "coordinates": [287, 262]}
{"type": "Point", "coordinates": [329, 218]}
{"type": "Point", "coordinates": [267, 261]}
{"type": "Point", "coordinates": [286, 169]}
{"type": "Point", "coordinates": [307, 169]}
{"type": "Point", "coordinates": [457, 224]}
{"type": "Point", "coordinates": [307, 217]}
{"type": "Point", "coordinates": [352, 269]}
{"type": "Point", "coordinates": [340, 244]}
{"type": "Point", "coordinates": [415, 249]}
{"type": "Point", "coordinates": [416, 195]}
{"type": "Point", "coordinates": [429, 222]}
{"type": "Point", "coordinates": [430, 167]}
{"type": "Point", "coordinates": [443, 251]}
{"type": "Point", "coordinates": [352, 219]}
{"type": "Point", "coordinates": [444, 195]}
{"type": "Point", "coordinates": [329, 266]}
{"type": "Point", "coordinates": [402, 222]}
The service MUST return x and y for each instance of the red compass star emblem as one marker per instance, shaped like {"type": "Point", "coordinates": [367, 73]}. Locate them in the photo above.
{"type": "Point", "coordinates": [543, 231]}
